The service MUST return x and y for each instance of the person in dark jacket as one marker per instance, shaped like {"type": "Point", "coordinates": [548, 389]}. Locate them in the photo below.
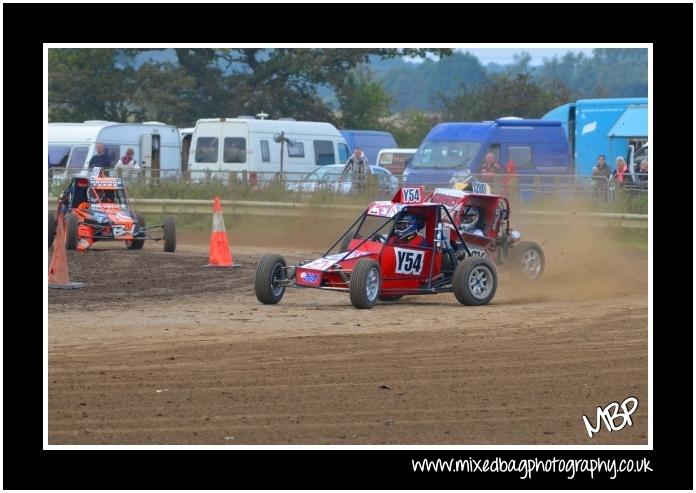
{"type": "Point", "coordinates": [358, 169]}
{"type": "Point", "coordinates": [601, 174]}
{"type": "Point", "coordinates": [101, 159]}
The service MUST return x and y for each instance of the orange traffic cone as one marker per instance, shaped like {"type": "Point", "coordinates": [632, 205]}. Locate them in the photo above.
{"type": "Point", "coordinates": [58, 270]}
{"type": "Point", "coordinates": [220, 255]}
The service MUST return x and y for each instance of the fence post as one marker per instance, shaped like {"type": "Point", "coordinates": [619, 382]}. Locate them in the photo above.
{"type": "Point", "coordinates": [372, 184]}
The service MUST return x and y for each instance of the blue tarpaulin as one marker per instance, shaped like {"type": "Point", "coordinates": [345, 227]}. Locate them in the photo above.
{"type": "Point", "coordinates": [632, 123]}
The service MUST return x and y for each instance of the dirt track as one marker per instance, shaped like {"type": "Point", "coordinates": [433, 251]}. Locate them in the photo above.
{"type": "Point", "coordinates": [157, 350]}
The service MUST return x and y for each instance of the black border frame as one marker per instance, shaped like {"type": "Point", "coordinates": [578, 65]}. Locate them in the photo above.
{"type": "Point", "coordinates": [26, 27]}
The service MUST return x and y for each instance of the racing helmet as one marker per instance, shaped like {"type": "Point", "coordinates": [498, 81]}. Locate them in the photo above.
{"type": "Point", "coordinates": [470, 217]}
{"type": "Point", "coordinates": [105, 196]}
{"type": "Point", "coordinates": [408, 226]}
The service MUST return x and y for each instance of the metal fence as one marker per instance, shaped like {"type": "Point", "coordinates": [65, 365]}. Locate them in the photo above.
{"type": "Point", "coordinates": [295, 209]}
{"type": "Point", "coordinates": [521, 188]}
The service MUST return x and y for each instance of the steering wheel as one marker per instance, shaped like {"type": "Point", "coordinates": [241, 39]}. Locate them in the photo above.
{"type": "Point", "coordinates": [380, 238]}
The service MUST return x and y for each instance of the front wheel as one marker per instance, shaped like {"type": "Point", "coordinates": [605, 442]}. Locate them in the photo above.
{"type": "Point", "coordinates": [137, 243]}
{"type": "Point", "coordinates": [169, 234]}
{"type": "Point", "coordinates": [527, 261]}
{"type": "Point", "coordinates": [270, 272]}
{"type": "Point", "coordinates": [365, 282]}
{"type": "Point", "coordinates": [474, 281]}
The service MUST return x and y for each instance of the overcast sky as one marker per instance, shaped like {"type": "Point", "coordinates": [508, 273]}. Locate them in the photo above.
{"type": "Point", "coordinates": [504, 55]}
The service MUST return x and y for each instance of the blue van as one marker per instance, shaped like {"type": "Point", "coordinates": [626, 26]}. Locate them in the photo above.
{"type": "Point", "coordinates": [370, 141]}
{"type": "Point", "coordinates": [538, 147]}
{"type": "Point", "coordinates": [613, 127]}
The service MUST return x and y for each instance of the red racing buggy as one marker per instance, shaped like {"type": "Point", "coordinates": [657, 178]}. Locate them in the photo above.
{"type": "Point", "coordinates": [97, 209]}
{"type": "Point", "coordinates": [483, 220]}
{"type": "Point", "coordinates": [407, 246]}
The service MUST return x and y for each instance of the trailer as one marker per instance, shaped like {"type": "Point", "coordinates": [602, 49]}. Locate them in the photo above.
{"type": "Point", "coordinates": [157, 145]}
{"type": "Point", "coordinates": [613, 127]}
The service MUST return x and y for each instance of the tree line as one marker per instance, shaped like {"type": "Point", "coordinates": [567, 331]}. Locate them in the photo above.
{"type": "Point", "coordinates": [351, 88]}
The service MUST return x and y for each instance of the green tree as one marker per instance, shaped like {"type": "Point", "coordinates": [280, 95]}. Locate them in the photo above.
{"type": "Point", "coordinates": [609, 72]}
{"type": "Point", "coordinates": [410, 128]}
{"type": "Point", "coordinates": [119, 85]}
{"type": "Point", "coordinates": [363, 101]}
{"type": "Point", "coordinates": [167, 94]}
{"type": "Point", "coordinates": [85, 84]}
{"type": "Point", "coordinates": [413, 85]}
{"type": "Point", "coordinates": [503, 95]}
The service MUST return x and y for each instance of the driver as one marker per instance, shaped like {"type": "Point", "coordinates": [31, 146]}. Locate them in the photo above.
{"type": "Point", "coordinates": [106, 196]}
{"type": "Point", "coordinates": [101, 196]}
{"type": "Point", "coordinates": [406, 231]}
{"type": "Point", "coordinates": [469, 220]}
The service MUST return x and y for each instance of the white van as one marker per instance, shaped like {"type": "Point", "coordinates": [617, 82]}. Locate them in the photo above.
{"type": "Point", "coordinates": [249, 145]}
{"type": "Point", "coordinates": [395, 160]}
{"type": "Point", "coordinates": [157, 146]}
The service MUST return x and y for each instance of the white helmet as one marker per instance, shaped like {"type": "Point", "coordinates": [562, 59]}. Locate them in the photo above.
{"type": "Point", "coordinates": [470, 217]}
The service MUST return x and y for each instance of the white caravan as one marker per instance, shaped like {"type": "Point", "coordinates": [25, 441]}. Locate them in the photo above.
{"type": "Point", "coordinates": [157, 146]}
{"type": "Point", "coordinates": [253, 146]}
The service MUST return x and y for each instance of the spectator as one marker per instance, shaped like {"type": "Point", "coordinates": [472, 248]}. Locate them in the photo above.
{"type": "Point", "coordinates": [510, 179]}
{"type": "Point", "coordinates": [357, 167]}
{"type": "Point", "coordinates": [490, 166]}
{"type": "Point", "coordinates": [601, 174]}
{"type": "Point", "coordinates": [127, 163]}
{"type": "Point", "coordinates": [643, 170]}
{"type": "Point", "coordinates": [621, 174]}
{"type": "Point", "coordinates": [100, 159]}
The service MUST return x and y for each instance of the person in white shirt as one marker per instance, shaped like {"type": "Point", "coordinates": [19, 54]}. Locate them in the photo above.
{"type": "Point", "coordinates": [126, 164]}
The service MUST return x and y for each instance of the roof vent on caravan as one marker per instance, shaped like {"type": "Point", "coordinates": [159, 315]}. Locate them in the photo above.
{"type": "Point", "coordinates": [153, 123]}
{"type": "Point", "coordinates": [262, 115]}
{"type": "Point", "coordinates": [287, 119]}
{"type": "Point", "coordinates": [97, 122]}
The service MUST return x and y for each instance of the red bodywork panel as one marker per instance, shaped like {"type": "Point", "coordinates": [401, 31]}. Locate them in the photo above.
{"type": "Point", "coordinates": [404, 267]}
{"type": "Point", "coordinates": [488, 206]}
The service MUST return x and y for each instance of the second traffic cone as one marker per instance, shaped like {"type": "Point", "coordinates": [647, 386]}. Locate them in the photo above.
{"type": "Point", "coordinates": [220, 255]}
{"type": "Point", "coordinates": [58, 269]}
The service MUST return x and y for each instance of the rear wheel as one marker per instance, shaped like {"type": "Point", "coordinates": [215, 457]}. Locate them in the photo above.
{"type": "Point", "coordinates": [169, 234]}
{"type": "Point", "coordinates": [474, 281]}
{"type": "Point", "coordinates": [526, 261]}
{"type": "Point", "coordinates": [51, 229]}
{"type": "Point", "coordinates": [137, 243]}
{"type": "Point", "coordinates": [71, 228]}
{"type": "Point", "coordinates": [365, 282]}
{"type": "Point", "coordinates": [270, 271]}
